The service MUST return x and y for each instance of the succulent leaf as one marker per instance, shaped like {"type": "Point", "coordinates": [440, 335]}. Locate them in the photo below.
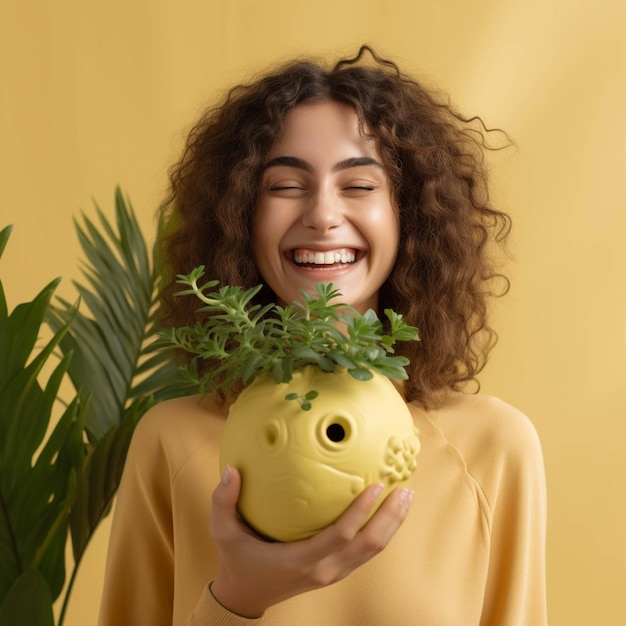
{"type": "Point", "coordinates": [248, 340]}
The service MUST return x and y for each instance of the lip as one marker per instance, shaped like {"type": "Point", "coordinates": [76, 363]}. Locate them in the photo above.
{"type": "Point", "coordinates": [321, 273]}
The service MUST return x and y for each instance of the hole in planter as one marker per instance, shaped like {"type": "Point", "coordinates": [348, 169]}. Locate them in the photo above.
{"type": "Point", "coordinates": [336, 432]}
{"type": "Point", "coordinates": [271, 434]}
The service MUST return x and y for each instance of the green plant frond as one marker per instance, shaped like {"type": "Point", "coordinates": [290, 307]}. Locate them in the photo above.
{"type": "Point", "coordinates": [58, 521]}
{"type": "Point", "coordinates": [99, 477]}
{"type": "Point", "coordinates": [99, 255]}
{"type": "Point", "coordinates": [4, 313]}
{"type": "Point", "coordinates": [114, 336]}
{"type": "Point", "coordinates": [109, 267]}
{"type": "Point", "coordinates": [162, 384]}
{"type": "Point", "coordinates": [96, 352]}
{"type": "Point", "coordinates": [116, 360]}
{"type": "Point", "coordinates": [153, 358]}
{"type": "Point", "coordinates": [112, 256]}
{"type": "Point", "coordinates": [95, 498]}
{"type": "Point", "coordinates": [5, 233]}
{"type": "Point", "coordinates": [89, 370]}
{"type": "Point", "coordinates": [20, 331]}
{"type": "Point", "coordinates": [34, 493]}
{"type": "Point", "coordinates": [53, 566]}
{"type": "Point", "coordinates": [118, 303]}
{"type": "Point", "coordinates": [134, 244]}
{"type": "Point", "coordinates": [26, 414]}
{"type": "Point", "coordinates": [110, 341]}
{"type": "Point", "coordinates": [27, 601]}
{"type": "Point", "coordinates": [109, 350]}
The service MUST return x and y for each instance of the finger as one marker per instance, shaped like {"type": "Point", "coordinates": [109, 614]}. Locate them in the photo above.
{"type": "Point", "coordinates": [375, 534]}
{"type": "Point", "coordinates": [345, 529]}
{"type": "Point", "coordinates": [379, 530]}
{"type": "Point", "coordinates": [358, 538]}
{"type": "Point", "coordinates": [371, 539]}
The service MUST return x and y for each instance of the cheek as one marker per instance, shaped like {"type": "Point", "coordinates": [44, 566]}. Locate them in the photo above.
{"type": "Point", "coordinates": [385, 226]}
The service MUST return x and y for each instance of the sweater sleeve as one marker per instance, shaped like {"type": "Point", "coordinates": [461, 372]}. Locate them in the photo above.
{"type": "Point", "coordinates": [210, 612]}
{"type": "Point", "coordinates": [515, 489]}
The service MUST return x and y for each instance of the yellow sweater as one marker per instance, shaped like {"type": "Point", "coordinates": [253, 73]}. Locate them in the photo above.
{"type": "Point", "coordinates": [471, 552]}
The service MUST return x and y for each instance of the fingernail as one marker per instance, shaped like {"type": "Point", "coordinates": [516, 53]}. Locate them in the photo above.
{"type": "Point", "coordinates": [406, 497]}
{"type": "Point", "coordinates": [226, 475]}
{"type": "Point", "coordinates": [377, 490]}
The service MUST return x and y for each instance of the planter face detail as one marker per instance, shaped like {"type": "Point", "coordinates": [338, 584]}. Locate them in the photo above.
{"type": "Point", "coordinates": [301, 469]}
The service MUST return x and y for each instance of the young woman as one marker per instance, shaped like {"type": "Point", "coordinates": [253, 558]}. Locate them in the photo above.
{"type": "Point", "coordinates": [354, 175]}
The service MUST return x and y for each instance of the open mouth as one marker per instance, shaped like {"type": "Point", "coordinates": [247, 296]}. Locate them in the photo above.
{"type": "Point", "coordinates": [316, 258]}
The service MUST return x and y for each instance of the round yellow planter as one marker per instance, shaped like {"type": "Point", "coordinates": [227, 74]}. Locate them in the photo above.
{"type": "Point", "coordinates": [301, 469]}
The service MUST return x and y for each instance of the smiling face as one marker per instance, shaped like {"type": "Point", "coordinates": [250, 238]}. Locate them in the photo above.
{"type": "Point", "coordinates": [325, 210]}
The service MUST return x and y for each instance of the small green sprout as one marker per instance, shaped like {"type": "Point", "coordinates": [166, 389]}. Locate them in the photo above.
{"type": "Point", "coordinates": [303, 400]}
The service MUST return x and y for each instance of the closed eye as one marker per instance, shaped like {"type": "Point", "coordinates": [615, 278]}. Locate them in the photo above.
{"type": "Point", "coordinates": [287, 190]}
{"type": "Point", "coordinates": [283, 187]}
{"type": "Point", "coordinates": [359, 190]}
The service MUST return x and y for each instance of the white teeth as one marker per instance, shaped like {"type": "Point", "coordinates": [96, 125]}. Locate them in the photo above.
{"type": "Point", "coordinates": [329, 257]}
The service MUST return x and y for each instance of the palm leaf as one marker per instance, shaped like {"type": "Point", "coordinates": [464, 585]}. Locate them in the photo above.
{"type": "Point", "coordinates": [119, 370]}
{"type": "Point", "coordinates": [116, 360]}
{"type": "Point", "coordinates": [111, 343]}
{"type": "Point", "coordinates": [36, 485]}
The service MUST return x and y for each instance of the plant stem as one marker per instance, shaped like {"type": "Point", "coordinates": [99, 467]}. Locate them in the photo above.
{"type": "Point", "coordinates": [201, 296]}
{"type": "Point", "coordinates": [14, 550]}
{"type": "Point", "coordinates": [68, 591]}
{"type": "Point", "coordinates": [78, 560]}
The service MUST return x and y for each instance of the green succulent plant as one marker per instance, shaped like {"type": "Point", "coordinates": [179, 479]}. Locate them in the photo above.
{"type": "Point", "coordinates": [244, 340]}
{"type": "Point", "coordinates": [63, 484]}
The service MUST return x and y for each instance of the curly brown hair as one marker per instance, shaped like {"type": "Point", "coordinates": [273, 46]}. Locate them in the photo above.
{"type": "Point", "coordinates": [434, 157]}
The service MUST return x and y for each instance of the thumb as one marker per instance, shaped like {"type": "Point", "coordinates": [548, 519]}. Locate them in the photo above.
{"type": "Point", "coordinates": [224, 519]}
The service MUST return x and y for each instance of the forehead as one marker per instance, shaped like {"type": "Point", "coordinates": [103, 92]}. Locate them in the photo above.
{"type": "Point", "coordinates": [323, 126]}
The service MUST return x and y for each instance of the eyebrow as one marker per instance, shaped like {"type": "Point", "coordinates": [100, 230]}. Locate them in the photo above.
{"type": "Point", "coordinates": [301, 164]}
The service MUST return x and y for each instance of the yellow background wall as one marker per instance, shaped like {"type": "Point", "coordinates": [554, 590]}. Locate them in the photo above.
{"type": "Point", "coordinates": [94, 94]}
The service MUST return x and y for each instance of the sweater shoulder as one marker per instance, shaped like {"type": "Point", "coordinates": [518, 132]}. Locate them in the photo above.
{"type": "Point", "coordinates": [181, 413]}
{"type": "Point", "coordinates": [481, 422]}
{"type": "Point", "coordinates": [497, 444]}
{"type": "Point", "coordinates": [172, 431]}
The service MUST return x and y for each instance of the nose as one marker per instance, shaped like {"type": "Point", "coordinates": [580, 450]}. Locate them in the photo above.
{"type": "Point", "coordinates": [323, 213]}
